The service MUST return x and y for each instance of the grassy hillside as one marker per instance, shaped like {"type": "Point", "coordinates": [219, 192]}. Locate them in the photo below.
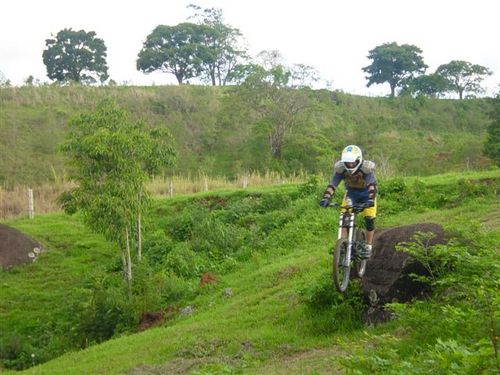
{"type": "Point", "coordinates": [218, 135]}
{"type": "Point", "coordinates": [272, 308]}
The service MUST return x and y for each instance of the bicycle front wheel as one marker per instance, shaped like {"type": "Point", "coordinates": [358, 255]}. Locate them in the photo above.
{"type": "Point", "coordinates": [341, 268]}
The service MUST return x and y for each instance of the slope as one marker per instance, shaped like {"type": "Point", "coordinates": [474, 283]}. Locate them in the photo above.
{"type": "Point", "coordinates": [272, 309]}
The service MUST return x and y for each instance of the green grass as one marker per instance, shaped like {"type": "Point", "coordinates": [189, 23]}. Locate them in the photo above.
{"type": "Point", "coordinates": [218, 137]}
{"type": "Point", "coordinates": [269, 323]}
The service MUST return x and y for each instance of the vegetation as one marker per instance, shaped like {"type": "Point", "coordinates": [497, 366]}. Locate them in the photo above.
{"type": "Point", "coordinates": [394, 64]}
{"type": "Point", "coordinates": [76, 56]}
{"type": "Point", "coordinates": [208, 49]}
{"type": "Point", "coordinates": [492, 144]}
{"type": "Point", "coordinates": [218, 135]}
{"type": "Point", "coordinates": [463, 77]}
{"type": "Point", "coordinates": [272, 307]}
{"type": "Point", "coordinates": [112, 159]}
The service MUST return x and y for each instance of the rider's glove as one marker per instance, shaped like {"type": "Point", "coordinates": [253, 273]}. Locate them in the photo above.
{"type": "Point", "coordinates": [370, 203]}
{"type": "Point", "coordinates": [324, 202]}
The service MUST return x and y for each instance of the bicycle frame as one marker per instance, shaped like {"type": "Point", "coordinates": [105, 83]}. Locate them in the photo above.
{"type": "Point", "coordinates": [346, 247]}
{"type": "Point", "coordinates": [347, 220]}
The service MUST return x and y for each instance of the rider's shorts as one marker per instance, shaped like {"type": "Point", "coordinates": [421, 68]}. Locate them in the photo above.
{"type": "Point", "coordinates": [360, 196]}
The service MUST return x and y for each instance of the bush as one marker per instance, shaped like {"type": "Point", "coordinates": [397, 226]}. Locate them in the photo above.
{"type": "Point", "coordinates": [184, 262]}
{"type": "Point", "coordinates": [457, 330]}
{"type": "Point", "coordinates": [217, 239]}
{"type": "Point", "coordinates": [330, 311]}
{"type": "Point", "coordinates": [157, 246]}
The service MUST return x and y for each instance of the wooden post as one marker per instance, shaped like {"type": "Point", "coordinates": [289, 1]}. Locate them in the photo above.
{"type": "Point", "coordinates": [205, 184]}
{"type": "Point", "coordinates": [245, 182]}
{"type": "Point", "coordinates": [171, 189]}
{"type": "Point", "coordinates": [31, 208]}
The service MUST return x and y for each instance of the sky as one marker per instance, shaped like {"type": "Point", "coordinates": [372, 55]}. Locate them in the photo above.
{"type": "Point", "coordinates": [333, 36]}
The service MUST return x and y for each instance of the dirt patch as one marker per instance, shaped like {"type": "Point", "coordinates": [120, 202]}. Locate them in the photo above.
{"type": "Point", "coordinates": [207, 278]}
{"type": "Point", "coordinates": [314, 361]}
{"type": "Point", "coordinates": [16, 248]}
{"type": "Point", "coordinates": [151, 319]}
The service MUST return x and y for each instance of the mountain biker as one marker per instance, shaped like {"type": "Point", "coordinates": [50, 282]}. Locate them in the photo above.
{"type": "Point", "coordinates": [361, 188]}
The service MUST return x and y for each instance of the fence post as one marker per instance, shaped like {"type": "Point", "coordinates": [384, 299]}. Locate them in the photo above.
{"type": "Point", "coordinates": [245, 182]}
{"type": "Point", "coordinates": [205, 184]}
{"type": "Point", "coordinates": [31, 208]}
{"type": "Point", "coordinates": [171, 189]}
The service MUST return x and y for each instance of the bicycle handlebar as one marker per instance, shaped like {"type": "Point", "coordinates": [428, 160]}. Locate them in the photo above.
{"type": "Point", "coordinates": [355, 207]}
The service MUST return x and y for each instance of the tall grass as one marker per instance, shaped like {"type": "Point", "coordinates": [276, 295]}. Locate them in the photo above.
{"type": "Point", "coordinates": [14, 202]}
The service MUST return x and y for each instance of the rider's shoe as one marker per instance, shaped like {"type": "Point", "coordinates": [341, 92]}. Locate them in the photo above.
{"type": "Point", "coordinates": [366, 253]}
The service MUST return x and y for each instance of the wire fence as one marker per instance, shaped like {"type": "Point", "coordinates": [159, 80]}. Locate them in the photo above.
{"type": "Point", "coordinates": [26, 201]}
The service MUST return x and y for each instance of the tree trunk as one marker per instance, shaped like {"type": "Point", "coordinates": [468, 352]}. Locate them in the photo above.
{"type": "Point", "coordinates": [139, 230]}
{"type": "Point", "coordinates": [139, 238]}
{"type": "Point", "coordinates": [277, 138]}
{"type": "Point", "coordinates": [124, 260]}
{"type": "Point", "coordinates": [393, 90]}
{"type": "Point", "coordinates": [460, 93]}
{"type": "Point", "coordinates": [129, 260]}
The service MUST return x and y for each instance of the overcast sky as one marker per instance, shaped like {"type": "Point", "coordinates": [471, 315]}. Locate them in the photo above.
{"type": "Point", "coordinates": [334, 36]}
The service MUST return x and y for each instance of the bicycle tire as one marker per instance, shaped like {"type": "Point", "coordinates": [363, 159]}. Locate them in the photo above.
{"type": "Point", "coordinates": [360, 263]}
{"type": "Point", "coordinates": [341, 271]}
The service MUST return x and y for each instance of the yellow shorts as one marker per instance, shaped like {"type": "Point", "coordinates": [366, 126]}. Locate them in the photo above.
{"type": "Point", "coordinates": [370, 212]}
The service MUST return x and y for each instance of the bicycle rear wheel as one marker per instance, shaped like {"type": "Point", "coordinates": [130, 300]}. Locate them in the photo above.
{"type": "Point", "coordinates": [360, 246]}
{"type": "Point", "coordinates": [341, 269]}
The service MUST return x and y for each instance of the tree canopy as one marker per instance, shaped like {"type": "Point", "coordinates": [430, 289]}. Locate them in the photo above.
{"type": "Point", "coordinates": [432, 85]}
{"type": "Point", "coordinates": [462, 76]}
{"type": "Point", "coordinates": [222, 50]}
{"type": "Point", "coordinates": [112, 158]}
{"type": "Point", "coordinates": [76, 56]}
{"type": "Point", "coordinates": [173, 49]}
{"type": "Point", "coordinates": [278, 105]}
{"type": "Point", "coordinates": [394, 64]}
{"type": "Point", "coordinates": [208, 49]}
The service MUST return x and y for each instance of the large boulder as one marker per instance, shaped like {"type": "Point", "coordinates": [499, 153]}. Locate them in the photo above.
{"type": "Point", "coordinates": [387, 277]}
{"type": "Point", "coordinates": [16, 247]}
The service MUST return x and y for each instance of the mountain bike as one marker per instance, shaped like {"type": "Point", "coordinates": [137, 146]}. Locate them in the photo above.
{"type": "Point", "coordinates": [349, 246]}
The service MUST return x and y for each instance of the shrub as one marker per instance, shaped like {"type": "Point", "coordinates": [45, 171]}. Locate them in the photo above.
{"type": "Point", "coordinates": [184, 262]}
{"type": "Point", "coordinates": [330, 311]}
{"type": "Point", "coordinates": [157, 246]}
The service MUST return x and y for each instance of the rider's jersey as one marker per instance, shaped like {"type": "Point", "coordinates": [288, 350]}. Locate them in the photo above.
{"type": "Point", "coordinates": [361, 180]}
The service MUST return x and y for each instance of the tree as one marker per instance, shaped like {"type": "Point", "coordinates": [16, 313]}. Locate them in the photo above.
{"type": "Point", "coordinates": [172, 49]}
{"type": "Point", "coordinates": [462, 76]}
{"type": "Point", "coordinates": [76, 56]}
{"type": "Point", "coordinates": [221, 52]}
{"type": "Point", "coordinates": [278, 104]}
{"type": "Point", "coordinates": [112, 158]}
{"type": "Point", "coordinates": [432, 85]}
{"type": "Point", "coordinates": [492, 144]}
{"type": "Point", "coordinates": [394, 64]}
{"type": "Point", "coordinates": [4, 82]}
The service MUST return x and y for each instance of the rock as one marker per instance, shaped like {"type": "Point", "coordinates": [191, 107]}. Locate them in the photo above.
{"type": "Point", "coordinates": [16, 248]}
{"type": "Point", "coordinates": [186, 311]}
{"type": "Point", "coordinates": [387, 277]}
{"type": "Point", "coordinates": [228, 292]}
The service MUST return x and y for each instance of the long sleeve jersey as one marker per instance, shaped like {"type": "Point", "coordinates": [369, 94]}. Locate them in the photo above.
{"type": "Point", "coordinates": [364, 178]}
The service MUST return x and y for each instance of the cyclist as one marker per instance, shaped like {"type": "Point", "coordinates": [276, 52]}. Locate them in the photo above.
{"type": "Point", "coordinates": [361, 188]}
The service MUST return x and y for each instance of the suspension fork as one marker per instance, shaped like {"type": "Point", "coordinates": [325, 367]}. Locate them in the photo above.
{"type": "Point", "coordinates": [347, 222]}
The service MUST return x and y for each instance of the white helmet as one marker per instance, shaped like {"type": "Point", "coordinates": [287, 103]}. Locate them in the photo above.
{"type": "Point", "coordinates": [352, 157]}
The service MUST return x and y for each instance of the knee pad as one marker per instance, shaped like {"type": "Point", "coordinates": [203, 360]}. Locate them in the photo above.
{"type": "Point", "coordinates": [370, 223]}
